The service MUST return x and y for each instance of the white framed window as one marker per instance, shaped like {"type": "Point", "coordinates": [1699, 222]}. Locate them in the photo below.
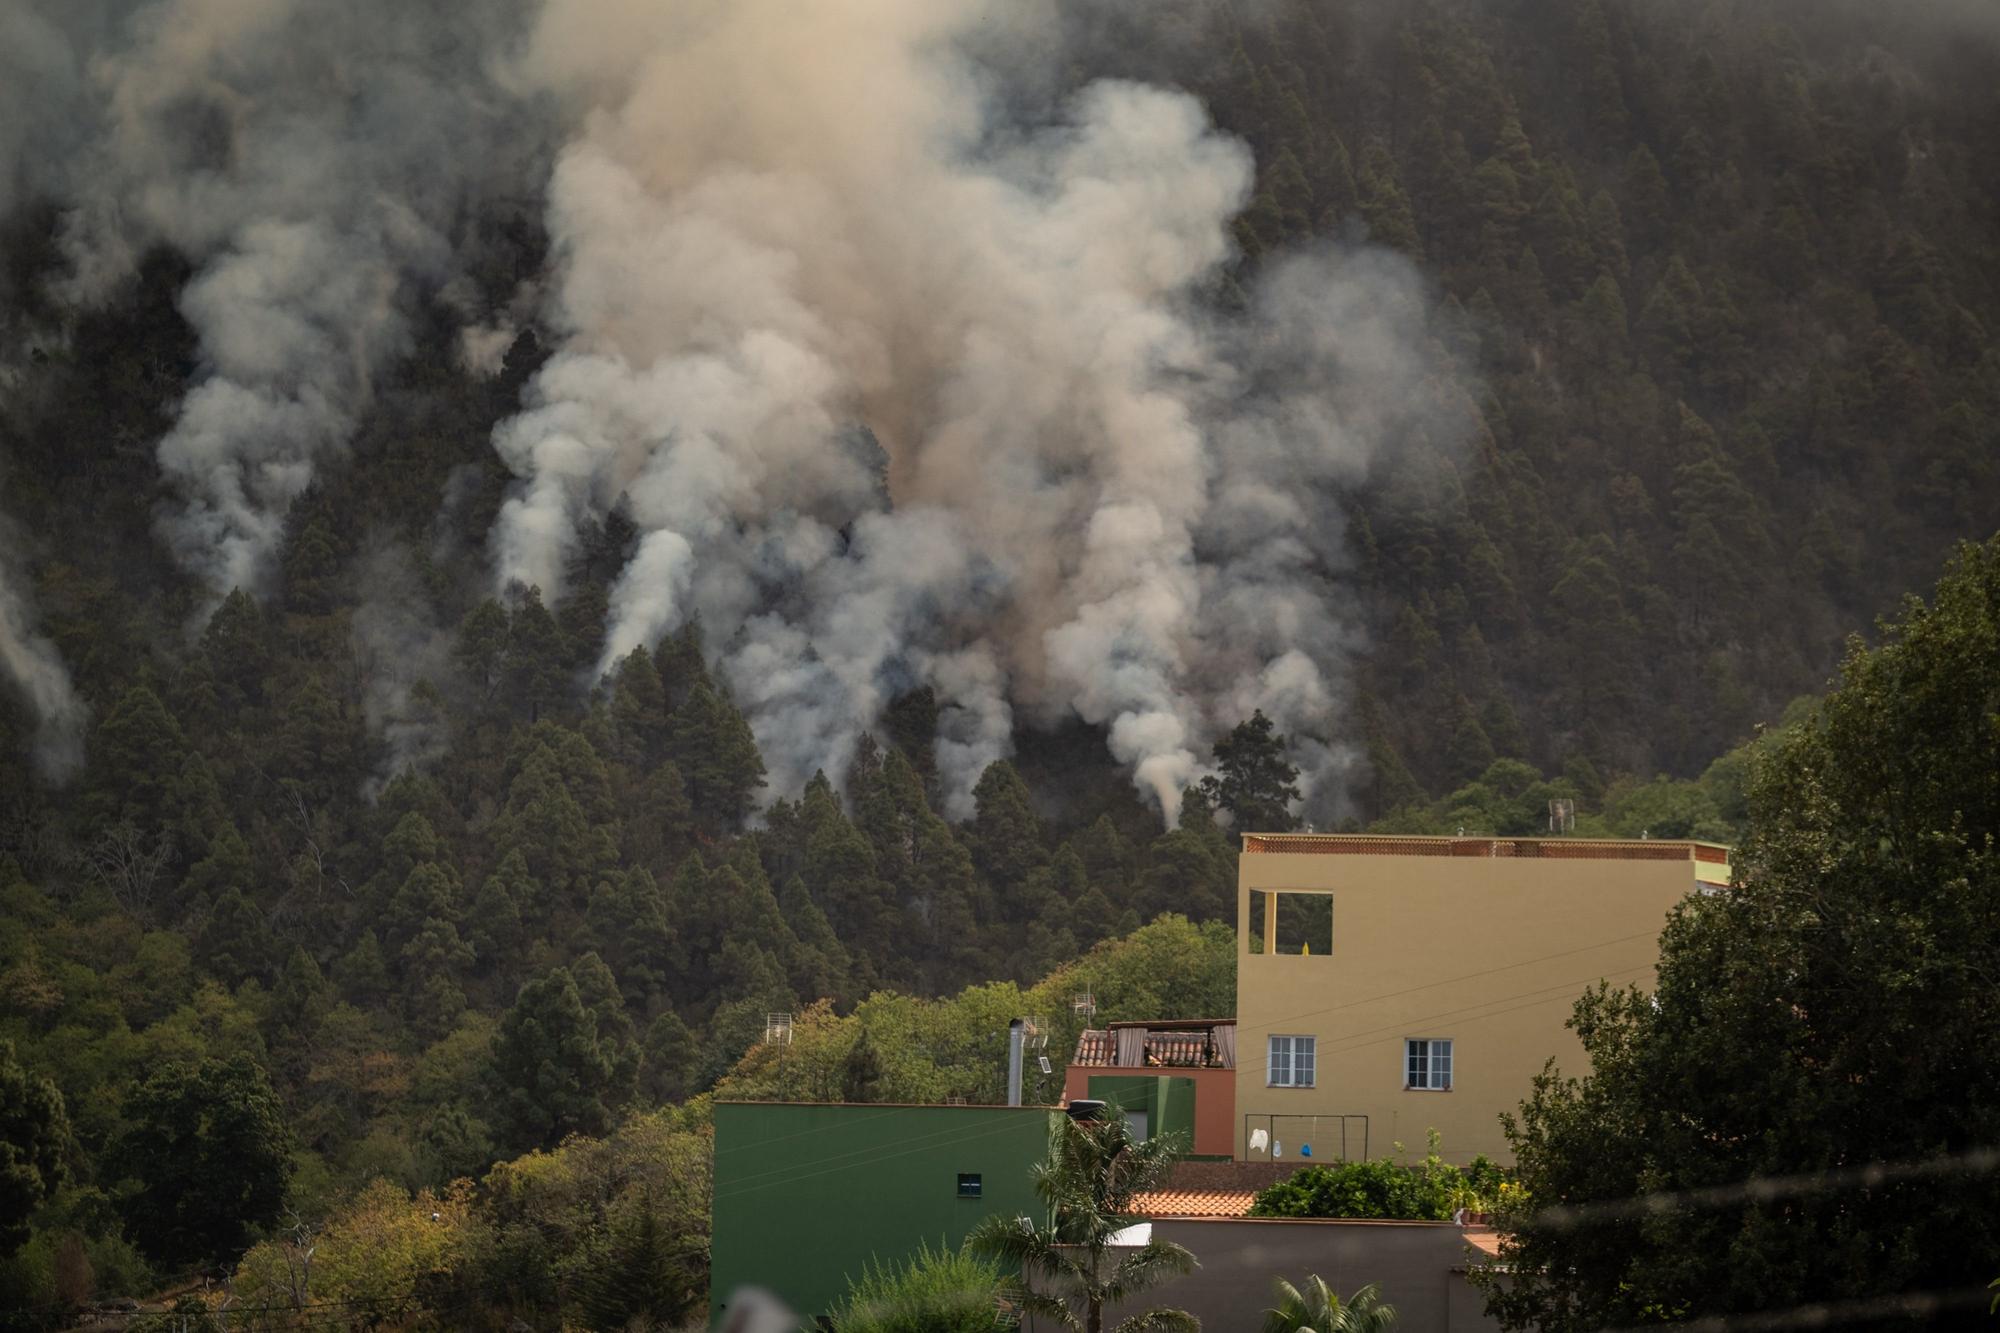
{"type": "Point", "coordinates": [1291, 1063]}
{"type": "Point", "coordinates": [1426, 1064]}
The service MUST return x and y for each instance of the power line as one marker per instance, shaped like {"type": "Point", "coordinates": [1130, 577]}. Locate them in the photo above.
{"type": "Point", "coordinates": [1904, 1305]}
{"type": "Point", "coordinates": [863, 1151]}
{"type": "Point", "coordinates": [1468, 976]}
{"type": "Point", "coordinates": [1543, 995]}
{"type": "Point", "coordinates": [786, 1177]}
{"type": "Point", "coordinates": [1765, 1189]}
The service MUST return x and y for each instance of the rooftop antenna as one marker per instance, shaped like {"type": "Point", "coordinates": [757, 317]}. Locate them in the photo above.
{"type": "Point", "coordinates": [1085, 1005]}
{"type": "Point", "coordinates": [1562, 815]}
{"type": "Point", "coordinates": [778, 1033]}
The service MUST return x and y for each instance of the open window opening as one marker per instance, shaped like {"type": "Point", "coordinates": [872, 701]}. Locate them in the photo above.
{"type": "Point", "coordinates": [1299, 923]}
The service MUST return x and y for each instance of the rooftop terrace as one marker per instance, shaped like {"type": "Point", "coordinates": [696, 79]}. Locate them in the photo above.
{"type": "Point", "coordinates": [1586, 849]}
{"type": "Point", "coordinates": [1186, 1043]}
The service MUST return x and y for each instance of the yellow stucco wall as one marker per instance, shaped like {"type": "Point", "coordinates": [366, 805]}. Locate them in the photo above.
{"type": "Point", "coordinates": [1489, 952]}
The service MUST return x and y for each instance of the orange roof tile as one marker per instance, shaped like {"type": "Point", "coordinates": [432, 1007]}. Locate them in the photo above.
{"type": "Point", "coordinates": [1484, 1239]}
{"type": "Point", "coordinates": [1194, 1203]}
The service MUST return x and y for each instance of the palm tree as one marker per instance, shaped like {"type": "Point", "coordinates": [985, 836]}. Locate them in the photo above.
{"type": "Point", "coordinates": [1087, 1183]}
{"type": "Point", "coordinates": [1318, 1309]}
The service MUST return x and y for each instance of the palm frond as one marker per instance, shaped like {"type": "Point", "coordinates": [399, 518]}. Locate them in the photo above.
{"type": "Point", "coordinates": [1160, 1321]}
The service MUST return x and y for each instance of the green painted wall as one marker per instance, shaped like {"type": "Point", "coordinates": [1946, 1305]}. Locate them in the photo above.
{"type": "Point", "coordinates": [807, 1194]}
{"type": "Point", "coordinates": [1167, 1101]}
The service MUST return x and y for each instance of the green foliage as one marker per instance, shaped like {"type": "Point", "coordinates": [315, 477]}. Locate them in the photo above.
{"type": "Point", "coordinates": [208, 1155]}
{"type": "Point", "coordinates": [1093, 1172]}
{"type": "Point", "coordinates": [606, 1225]}
{"type": "Point", "coordinates": [1816, 1017]}
{"type": "Point", "coordinates": [34, 1131]}
{"type": "Point", "coordinates": [935, 1291]}
{"type": "Point", "coordinates": [1736, 393]}
{"type": "Point", "coordinates": [556, 1071]}
{"type": "Point", "coordinates": [641, 1272]}
{"type": "Point", "coordinates": [899, 1048]}
{"type": "Point", "coordinates": [1256, 785]}
{"type": "Point", "coordinates": [1430, 1190]}
{"type": "Point", "coordinates": [1317, 1308]}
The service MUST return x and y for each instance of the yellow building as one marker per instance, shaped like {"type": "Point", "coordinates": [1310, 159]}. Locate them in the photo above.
{"type": "Point", "coordinates": [1387, 986]}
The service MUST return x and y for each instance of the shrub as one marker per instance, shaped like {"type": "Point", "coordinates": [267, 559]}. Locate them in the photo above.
{"type": "Point", "coordinates": [1431, 1190]}
{"type": "Point", "coordinates": [938, 1291]}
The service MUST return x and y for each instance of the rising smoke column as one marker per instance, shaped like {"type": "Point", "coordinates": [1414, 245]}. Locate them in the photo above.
{"type": "Point", "coordinates": [30, 663]}
{"type": "Point", "coordinates": [783, 223]}
{"type": "Point", "coordinates": [314, 162]}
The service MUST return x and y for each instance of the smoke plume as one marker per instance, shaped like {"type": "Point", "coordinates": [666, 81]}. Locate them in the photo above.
{"type": "Point", "coordinates": [33, 668]}
{"type": "Point", "coordinates": [314, 162]}
{"type": "Point", "coordinates": [904, 356]}
{"type": "Point", "coordinates": [915, 390]}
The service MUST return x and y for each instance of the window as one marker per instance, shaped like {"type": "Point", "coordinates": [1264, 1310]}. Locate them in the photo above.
{"type": "Point", "coordinates": [1291, 1064]}
{"type": "Point", "coordinates": [969, 1183]}
{"type": "Point", "coordinates": [1290, 921]}
{"type": "Point", "coordinates": [1428, 1064]}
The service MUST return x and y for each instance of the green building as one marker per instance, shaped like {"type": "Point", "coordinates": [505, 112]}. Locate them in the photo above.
{"type": "Point", "coordinates": [1154, 1105]}
{"type": "Point", "coordinates": [808, 1194]}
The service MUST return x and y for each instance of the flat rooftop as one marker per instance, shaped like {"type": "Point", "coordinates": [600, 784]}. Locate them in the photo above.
{"type": "Point", "coordinates": [1396, 844]}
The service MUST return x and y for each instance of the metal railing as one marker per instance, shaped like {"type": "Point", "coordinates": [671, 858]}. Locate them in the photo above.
{"type": "Point", "coordinates": [1365, 844]}
{"type": "Point", "coordinates": [1296, 1132]}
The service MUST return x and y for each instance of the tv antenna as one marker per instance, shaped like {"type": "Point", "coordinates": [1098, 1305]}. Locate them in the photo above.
{"type": "Point", "coordinates": [777, 1029]}
{"type": "Point", "coordinates": [1562, 815]}
{"type": "Point", "coordinates": [1084, 1005]}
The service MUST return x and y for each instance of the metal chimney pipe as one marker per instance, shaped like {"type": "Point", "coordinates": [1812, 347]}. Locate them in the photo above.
{"type": "Point", "coordinates": [1014, 1061]}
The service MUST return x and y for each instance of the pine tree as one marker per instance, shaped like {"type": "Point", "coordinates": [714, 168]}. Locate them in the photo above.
{"type": "Point", "coordinates": [1006, 834]}
{"type": "Point", "coordinates": [535, 664]}
{"type": "Point", "coordinates": [235, 943]}
{"type": "Point", "coordinates": [481, 646]}
{"type": "Point", "coordinates": [551, 1075]}
{"type": "Point", "coordinates": [710, 744]}
{"type": "Point", "coordinates": [1255, 785]}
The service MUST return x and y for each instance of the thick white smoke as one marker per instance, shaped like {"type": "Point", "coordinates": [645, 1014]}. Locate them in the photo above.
{"type": "Point", "coordinates": [31, 665]}
{"type": "Point", "coordinates": [780, 224]}
{"type": "Point", "coordinates": [312, 161]}
{"type": "Point", "coordinates": [905, 375]}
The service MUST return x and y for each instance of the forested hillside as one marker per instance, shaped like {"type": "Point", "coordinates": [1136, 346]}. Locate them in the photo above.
{"type": "Point", "coordinates": [1731, 278]}
{"type": "Point", "coordinates": [1719, 284]}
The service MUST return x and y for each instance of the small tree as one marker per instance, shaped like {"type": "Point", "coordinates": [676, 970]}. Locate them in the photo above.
{"type": "Point", "coordinates": [1256, 784]}
{"type": "Point", "coordinates": [33, 1132]}
{"type": "Point", "coordinates": [1831, 1009]}
{"type": "Point", "coordinates": [210, 1155]}
{"type": "Point", "coordinates": [1317, 1308]}
{"type": "Point", "coordinates": [1088, 1183]}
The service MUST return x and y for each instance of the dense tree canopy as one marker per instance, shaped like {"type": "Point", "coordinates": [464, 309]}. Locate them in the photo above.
{"type": "Point", "coordinates": [33, 1135]}
{"type": "Point", "coordinates": [210, 1154]}
{"type": "Point", "coordinates": [1828, 1016]}
{"type": "Point", "coordinates": [1719, 287]}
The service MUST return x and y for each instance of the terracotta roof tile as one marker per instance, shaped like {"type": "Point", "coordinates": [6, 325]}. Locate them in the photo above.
{"type": "Point", "coordinates": [1484, 1239]}
{"type": "Point", "coordinates": [1194, 1203]}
